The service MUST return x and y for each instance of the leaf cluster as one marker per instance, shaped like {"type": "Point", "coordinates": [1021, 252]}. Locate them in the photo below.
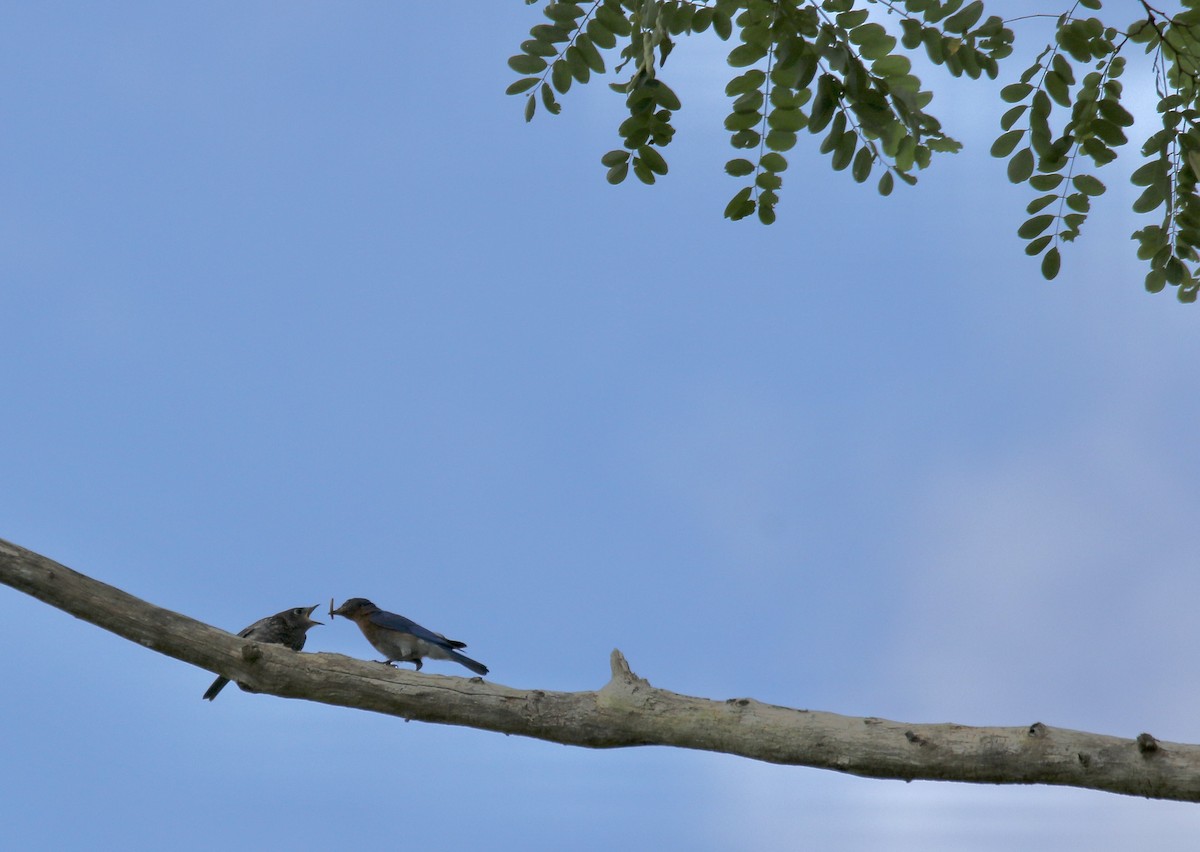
{"type": "Point", "coordinates": [841, 71]}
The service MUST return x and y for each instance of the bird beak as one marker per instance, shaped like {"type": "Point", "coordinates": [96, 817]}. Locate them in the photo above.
{"type": "Point", "coordinates": [310, 612]}
{"type": "Point", "coordinates": [332, 614]}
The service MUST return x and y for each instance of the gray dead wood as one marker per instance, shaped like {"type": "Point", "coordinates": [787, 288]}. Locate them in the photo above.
{"type": "Point", "coordinates": [628, 711]}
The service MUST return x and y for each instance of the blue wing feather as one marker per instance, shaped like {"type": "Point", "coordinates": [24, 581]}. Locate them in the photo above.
{"type": "Point", "coordinates": [392, 621]}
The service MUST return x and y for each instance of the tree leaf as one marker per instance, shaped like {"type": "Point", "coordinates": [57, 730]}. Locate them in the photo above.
{"type": "Point", "coordinates": [1015, 92]}
{"type": "Point", "coordinates": [524, 63]}
{"type": "Point", "coordinates": [965, 18]}
{"type": "Point", "coordinates": [739, 167]}
{"type": "Point", "coordinates": [861, 168]}
{"type": "Point", "coordinates": [1151, 198]}
{"type": "Point", "coordinates": [741, 205]}
{"type": "Point", "coordinates": [522, 85]}
{"type": "Point", "coordinates": [1020, 167]}
{"type": "Point", "coordinates": [1088, 185]}
{"type": "Point", "coordinates": [1050, 264]}
{"type": "Point", "coordinates": [653, 159]}
{"type": "Point", "coordinates": [773, 162]}
{"type": "Point", "coordinates": [1006, 142]}
{"type": "Point", "coordinates": [746, 54]}
{"type": "Point", "coordinates": [1034, 226]}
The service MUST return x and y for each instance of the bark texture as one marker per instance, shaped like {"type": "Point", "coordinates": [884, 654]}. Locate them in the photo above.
{"type": "Point", "coordinates": [628, 711]}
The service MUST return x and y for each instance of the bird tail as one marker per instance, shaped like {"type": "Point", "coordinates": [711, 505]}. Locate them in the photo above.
{"type": "Point", "coordinates": [217, 686]}
{"type": "Point", "coordinates": [479, 668]}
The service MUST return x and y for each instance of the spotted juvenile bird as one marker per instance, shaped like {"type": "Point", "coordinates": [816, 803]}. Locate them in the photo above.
{"type": "Point", "coordinates": [287, 628]}
{"type": "Point", "coordinates": [400, 639]}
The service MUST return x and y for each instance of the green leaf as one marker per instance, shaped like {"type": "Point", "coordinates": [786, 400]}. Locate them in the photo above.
{"type": "Point", "coordinates": [823, 106]}
{"type": "Point", "coordinates": [550, 33]}
{"type": "Point", "coordinates": [577, 64]}
{"type": "Point", "coordinates": [1036, 247]}
{"type": "Point", "coordinates": [861, 168]}
{"type": "Point", "coordinates": [613, 18]}
{"type": "Point", "coordinates": [780, 140]}
{"type": "Point", "coordinates": [601, 35]}
{"type": "Point", "coordinates": [741, 205]}
{"type": "Point", "coordinates": [530, 108]}
{"type": "Point", "coordinates": [774, 162]}
{"type": "Point", "coordinates": [722, 25]}
{"type": "Point", "coordinates": [1045, 183]}
{"type": "Point", "coordinates": [1010, 118]}
{"type": "Point", "coordinates": [522, 85]}
{"type": "Point", "coordinates": [742, 120]}
{"type": "Point", "coordinates": [1175, 270]}
{"type": "Point", "coordinates": [653, 159]}
{"type": "Point", "coordinates": [963, 20]}
{"type": "Point", "coordinates": [1148, 173]}
{"type": "Point", "coordinates": [617, 173]}
{"type": "Point", "coordinates": [663, 94]}
{"type": "Point", "coordinates": [749, 102]}
{"type": "Point", "coordinates": [523, 63]}
{"type": "Point", "coordinates": [892, 65]}
{"type": "Point", "coordinates": [589, 53]}
{"type": "Point", "coordinates": [538, 48]}
{"type": "Point", "coordinates": [844, 152]}
{"type": "Point", "coordinates": [560, 75]}
{"type": "Point", "coordinates": [746, 54]}
{"type": "Point", "coordinates": [849, 20]}
{"type": "Point", "coordinates": [786, 119]}
{"type": "Point", "coordinates": [614, 158]}
{"type": "Point", "coordinates": [1151, 198]}
{"type": "Point", "coordinates": [1115, 113]}
{"type": "Point", "coordinates": [1015, 92]}
{"type": "Point", "coordinates": [745, 139]}
{"type": "Point", "coordinates": [1088, 185]}
{"type": "Point", "coordinates": [1020, 167]}
{"type": "Point", "coordinates": [1040, 203]}
{"type": "Point", "coordinates": [642, 171]}
{"type": "Point", "coordinates": [739, 167]}
{"type": "Point", "coordinates": [768, 180]}
{"type": "Point", "coordinates": [886, 183]}
{"type": "Point", "coordinates": [1006, 142]}
{"type": "Point", "coordinates": [750, 81]}
{"type": "Point", "coordinates": [562, 12]}
{"type": "Point", "coordinates": [1063, 69]}
{"type": "Point", "coordinates": [1050, 264]}
{"type": "Point", "coordinates": [548, 100]}
{"type": "Point", "coordinates": [1056, 86]}
{"type": "Point", "coordinates": [1032, 227]}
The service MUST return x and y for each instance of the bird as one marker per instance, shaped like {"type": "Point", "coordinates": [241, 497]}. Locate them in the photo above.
{"type": "Point", "coordinates": [401, 639]}
{"type": "Point", "coordinates": [288, 628]}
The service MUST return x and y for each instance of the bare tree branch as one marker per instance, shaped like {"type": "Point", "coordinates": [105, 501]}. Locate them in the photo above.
{"type": "Point", "coordinates": [628, 711]}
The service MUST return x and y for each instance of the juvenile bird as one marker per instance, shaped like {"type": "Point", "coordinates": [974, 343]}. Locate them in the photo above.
{"type": "Point", "coordinates": [283, 628]}
{"type": "Point", "coordinates": [400, 639]}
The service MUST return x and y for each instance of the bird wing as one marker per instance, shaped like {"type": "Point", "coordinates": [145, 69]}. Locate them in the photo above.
{"type": "Point", "coordinates": [392, 621]}
{"type": "Point", "coordinates": [248, 632]}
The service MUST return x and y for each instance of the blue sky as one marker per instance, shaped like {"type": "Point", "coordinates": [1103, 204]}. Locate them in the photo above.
{"type": "Point", "coordinates": [296, 306]}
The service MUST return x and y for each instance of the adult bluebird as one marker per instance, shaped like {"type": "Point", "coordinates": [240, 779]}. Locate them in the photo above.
{"type": "Point", "coordinates": [287, 628]}
{"type": "Point", "coordinates": [400, 639]}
